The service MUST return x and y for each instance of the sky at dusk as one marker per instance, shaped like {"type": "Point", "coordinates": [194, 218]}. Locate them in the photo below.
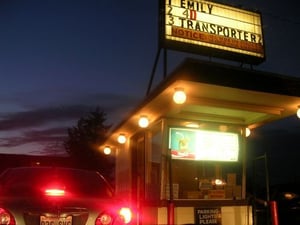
{"type": "Point", "coordinates": [60, 59]}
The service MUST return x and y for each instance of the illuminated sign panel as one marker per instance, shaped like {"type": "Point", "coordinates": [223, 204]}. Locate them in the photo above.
{"type": "Point", "coordinates": [213, 29]}
{"type": "Point", "coordinates": [195, 144]}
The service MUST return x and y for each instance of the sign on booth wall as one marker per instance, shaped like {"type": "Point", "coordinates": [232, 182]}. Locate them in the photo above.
{"type": "Point", "coordinates": [207, 145]}
{"type": "Point", "coordinates": [208, 216]}
{"type": "Point", "coordinates": [212, 29]}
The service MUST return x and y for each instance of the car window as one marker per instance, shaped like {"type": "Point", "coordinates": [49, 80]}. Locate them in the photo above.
{"type": "Point", "coordinates": [32, 181]}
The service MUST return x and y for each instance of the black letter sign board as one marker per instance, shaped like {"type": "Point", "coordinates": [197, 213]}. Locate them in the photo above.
{"type": "Point", "coordinates": [208, 216]}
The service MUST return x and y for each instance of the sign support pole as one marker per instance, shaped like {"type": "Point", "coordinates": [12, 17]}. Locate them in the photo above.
{"type": "Point", "coordinates": [153, 71]}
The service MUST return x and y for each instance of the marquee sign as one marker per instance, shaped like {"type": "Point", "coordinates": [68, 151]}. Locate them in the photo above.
{"type": "Point", "coordinates": [213, 29]}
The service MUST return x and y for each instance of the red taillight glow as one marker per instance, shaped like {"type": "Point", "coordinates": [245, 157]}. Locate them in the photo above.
{"type": "Point", "coordinates": [6, 218]}
{"type": "Point", "coordinates": [55, 192]}
{"type": "Point", "coordinates": [126, 215]}
{"type": "Point", "coordinates": [123, 216]}
{"type": "Point", "coordinates": [104, 219]}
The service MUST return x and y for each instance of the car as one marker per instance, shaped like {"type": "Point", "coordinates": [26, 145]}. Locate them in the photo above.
{"type": "Point", "coordinates": [287, 197]}
{"type": "Point", "coordinates": [287, 207]}
{"type": "Point", "coordinates": [59, 196]}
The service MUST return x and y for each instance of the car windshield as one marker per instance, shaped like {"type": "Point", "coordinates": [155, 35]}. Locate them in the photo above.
{"type": "Point", "coordinates": [32, 181]}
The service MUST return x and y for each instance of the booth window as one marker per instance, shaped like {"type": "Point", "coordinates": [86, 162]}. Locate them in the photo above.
{"type": "Point", "coordinates": [204, 163]}
{"type": "Point", "coordinates": [206, 180]}
{"type": "Point", "coordinates": [153, 163]}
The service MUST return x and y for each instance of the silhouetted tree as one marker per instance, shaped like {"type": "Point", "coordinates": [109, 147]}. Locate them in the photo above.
{"type": "Point", "coordinates": [84, 140]}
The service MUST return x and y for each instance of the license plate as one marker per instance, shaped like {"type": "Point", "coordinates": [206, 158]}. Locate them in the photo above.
{"type": "Point", "coordinates": [56, 220]}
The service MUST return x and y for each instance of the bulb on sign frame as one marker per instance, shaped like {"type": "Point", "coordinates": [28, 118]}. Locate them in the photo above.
{"type": "Point", "coordinates": [143, 121]}
{"type": "Point", "coordinates": [121, 138]}
{"type": "Point", "coordinates": [179, 96]}
{"type": "Point", "coordinates": [107, 150]}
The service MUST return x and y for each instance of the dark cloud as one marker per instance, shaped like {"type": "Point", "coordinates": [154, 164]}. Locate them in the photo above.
{"type": "Point", "coordinates": [53, 148]}
{"type": "Point", "coordinates": [37, 136]}
{"type": "Point", "coordinates": [110, 104]}
{"type": "Point", "coordinates": [42, 116]}
{"type": "Point", "coordinates": [47, 126]}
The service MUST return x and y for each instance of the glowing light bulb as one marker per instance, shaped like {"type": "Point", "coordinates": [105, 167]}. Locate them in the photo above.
{"type": "Point", "coordinates": [143, 121]}
{"type": "Point", "coordinates": [107, 150]}
{"type": "Point", "coordinates": [179, 96]}
{"type": "Point", "coordinates": [298, 112]}
{"type": "Point", "coordinates": [121, 139]}
{"type": "Point", "coordinates": [247, 132]}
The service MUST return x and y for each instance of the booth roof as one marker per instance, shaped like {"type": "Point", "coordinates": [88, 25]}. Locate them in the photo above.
{"type": "Point", "coordinates": [218, 93]}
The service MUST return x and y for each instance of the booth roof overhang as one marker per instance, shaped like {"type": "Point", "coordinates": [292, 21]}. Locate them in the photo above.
{"type": "Point", "coordinates": [217, 93]}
